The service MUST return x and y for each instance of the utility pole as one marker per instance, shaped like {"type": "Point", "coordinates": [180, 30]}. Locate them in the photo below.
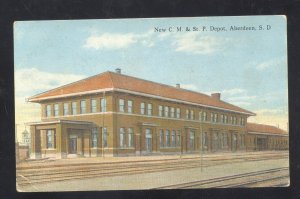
{"type": "Point", "coordinates": [103, 114]}
{"type": "Point", "coordinates": [201, 150]}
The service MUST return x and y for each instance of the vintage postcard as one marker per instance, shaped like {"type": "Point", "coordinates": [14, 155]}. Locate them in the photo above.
{"type": "Point", "coordinates": [151, 103]}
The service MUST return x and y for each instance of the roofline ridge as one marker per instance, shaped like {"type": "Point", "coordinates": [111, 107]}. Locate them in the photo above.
{"type": "Point", "coordinates": [162, 84]}
{"type": "Point", "coordinates": [186, 90]}
{"type": "Point", "coordinates": [68, 84]}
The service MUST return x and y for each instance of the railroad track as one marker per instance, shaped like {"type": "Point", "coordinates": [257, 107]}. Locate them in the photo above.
{"type": "Point", "coordinates": [38, 174]}
{"type": "Point", "coordinates": [251, 179]}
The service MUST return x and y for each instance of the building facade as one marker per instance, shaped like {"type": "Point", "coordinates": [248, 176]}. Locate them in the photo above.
{"type": "Point", "coordinates": [262, 137]}
{"type": "Point", "coordinates": [112, 114]}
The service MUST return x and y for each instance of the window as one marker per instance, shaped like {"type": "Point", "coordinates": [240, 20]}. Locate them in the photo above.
{"type": "Point", "coordinates": [48, 110]}
{"type": "Point", "coordinates": [242, 142]}
{"type": "Point", "coordinates": [187, 114]}
{"type": "Point", "coordinates": [160, 111]}
{"type": "Point", "coordinates": [192, 114]}
{"type": "Point", "coordinates": [178, 113]}
{"type": "Point", "coordinates": [234, 120]}
{"type": "Point", "coordinates": [104, 137]}
{"type": "Point", "coordinates": [231, 120]}
{"type": "Point", "coordinates": [212, 117]}
{"type": "Point", "coordinates": [121, 105]}
{"type": "Point", "coordinates": [221, 137]}
{"type": "Point", "coordinates": [173, 138]}
{"type": "Point", "coordinates": [66, 109]}
{"type": "Point", "coordinates": [216, 118]}
{"type": "Point", "coordinates": [122, 137]}
{"type": "Point", "coordinates": [178, 141]}
{"type": "Point", "coordinates": [129, 106]}
{"type": "Point", "coordinates": [149, 111]}
{"type": "Point", "coordinates": [225, 119]}
{"type": "Point", "coordinates": [166, 111]}
{"type": "Point", "coordinates": [225, 140]}
{"type": "Point", "coordinates": [74, 108]}
{"type": "Point", "coordinates": [51, 139]}
{"type": "Point", "coordinates": [93, 106]}
{"type": "Point", "coordinates": [143, 108]}
{"type": "Point", "coordinates": [82, 106]}
{"type": "Point", "coordinates": [222, 118]}
{"type": "Point", "coordinates": [172, 112]}
{"type": "Point", "coordinates": [167, 138]}
{"type": "Point", "coordinates": [94, 137]}
{"type": "Point", "coordinates": [242, 122]}
{"type": "Point", "coordinates": [103, 104]}
{"type": "Point", "coordinates": [161, 138]}
{"type": "Point", "coordinates": [205, 140]}
{"type": "Point", "coordinates": [130, 137]}
{"type": "Point", "coordinates": [55, 109]}
{"type": "Point", "coordinates": [204, 116]}
{"type": "Point", "coordinates": [200, 115]}
{"type": "Point", "coordinates": [192, 140]}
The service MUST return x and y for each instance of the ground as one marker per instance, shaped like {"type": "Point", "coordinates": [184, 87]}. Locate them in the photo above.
{"type": "Point", "coordinates": [149, 180]}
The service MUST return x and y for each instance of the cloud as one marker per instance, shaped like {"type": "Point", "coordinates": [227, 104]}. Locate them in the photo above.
{"type": "Point", "coordinates": [275, 117]}
{"type": "Point", "coordinates": [189, 87]}
{"type": "Point", "coordinates": [110, 41]}
{"type": "Point", "coordinates": [271, 64]}
{"type": "Point", "coordinates": [197, 44]}
{"type": "Point", "coordinates": [30, 81]}
{"type": "Point", "coordinates": [280, 110]}
{"type": "Point", "coordinates": [237, 96]}
{"type": "Point", "coordinates": [233, 91]}
{"type": "Point", "coordinates": [118, 41]}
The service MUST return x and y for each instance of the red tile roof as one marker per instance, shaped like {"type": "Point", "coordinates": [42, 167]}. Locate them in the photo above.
{"type": "Point", "coordinates": [263, 128]}
{"type": "Point", "coordinates": [119, 81]}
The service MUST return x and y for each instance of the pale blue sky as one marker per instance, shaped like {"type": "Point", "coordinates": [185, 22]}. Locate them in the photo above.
{"type": "Point", "coordinates": [248, 67]}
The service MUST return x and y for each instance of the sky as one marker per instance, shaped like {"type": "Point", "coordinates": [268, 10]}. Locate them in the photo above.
{"type": "Point", "coordinates": [248, 67]}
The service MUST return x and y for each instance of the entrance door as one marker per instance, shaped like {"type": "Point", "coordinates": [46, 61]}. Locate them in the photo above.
{"type": "Point", "coordinates": [148, 140]}
{"type": "Point", "coordinates": [234, 142]}
{"type": "Point", "coordinates": [215, 142]}
{"type": "Point", "coordinates": [73, 145]}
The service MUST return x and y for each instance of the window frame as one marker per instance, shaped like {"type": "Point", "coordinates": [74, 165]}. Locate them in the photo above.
{"type": "Point", "coordinates": [94, 137]}
{"type": "Point", "coordinates": [48, 110]}
{"type": "Point", "coordinates": [130, 137]}
{"type": "Point", "coordinates": [51, 143]}
{"type": "Point", "coordinates": [142, 108]}
{"type": "Point", "coordinates": [56, 110]}
{"type": "Point", "coordinates": [149, 109]}
{"type": "Point", "coordinates": [122, 141]}
{"type": "Point", "coordinates": [103, 105]}
{"type": "Point", "coordinates": [93, 105]}
{"type": "Point", "coordinates": [74, 108]}
{"type": "Point", "coordinates": [82, 106]}
{"type": "Point", "coordinates": [64, 108]}
{"type": "Point", "coordinates": [129, 107]}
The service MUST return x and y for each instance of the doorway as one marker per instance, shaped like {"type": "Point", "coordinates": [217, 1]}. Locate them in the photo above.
{"type": "Point", "coordinates": [148, 142]}
{"type": "Point", "coordinates": [234, 142]}
{"type": "Point", "coordinates": [73, 145]}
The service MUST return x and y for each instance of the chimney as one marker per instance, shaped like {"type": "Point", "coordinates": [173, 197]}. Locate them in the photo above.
{"type": "Point", "coordinates": [118, 70]}
{"type": "Point", "coordinates": [216, 96]}
{"type": "Point", "coordinates": [177, 85]}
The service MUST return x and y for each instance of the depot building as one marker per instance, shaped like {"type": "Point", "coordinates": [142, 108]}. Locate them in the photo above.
{"type": "Point", "coordinates": [112, 114]}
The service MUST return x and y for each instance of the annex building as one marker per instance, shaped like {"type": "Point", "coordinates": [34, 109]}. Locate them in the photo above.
{"type": "Point", "coordinates": [112, 114]}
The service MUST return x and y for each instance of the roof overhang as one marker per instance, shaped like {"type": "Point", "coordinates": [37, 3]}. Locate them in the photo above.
{"type": "Point", "coordinates": [59, 122]}
{"type": "Point", "coordinates": [37, 99]}
{"type": "Point", "coordinates": [264, 133]}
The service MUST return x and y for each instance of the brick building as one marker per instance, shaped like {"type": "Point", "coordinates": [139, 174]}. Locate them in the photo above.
{"type": "Point", "coordinates": [116, 115]}
{"type": "Point", "coordinates": [265, 137]}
